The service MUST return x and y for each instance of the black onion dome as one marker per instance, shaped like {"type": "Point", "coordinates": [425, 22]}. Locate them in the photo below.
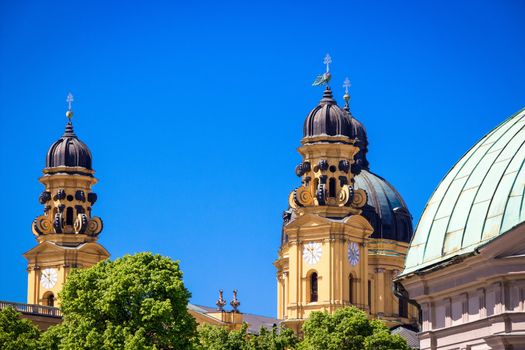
{"type": "Point", "coordinates": [385, 210]}
{"type": "Point", "coordinates": [361, 141]}
{"type": "Point", "coordinates": [327, 119]}
{"type": "Point", "coordinates": [69, 151]}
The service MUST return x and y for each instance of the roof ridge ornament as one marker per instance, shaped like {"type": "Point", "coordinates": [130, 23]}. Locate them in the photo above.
{"type": "Point", "coordinates": [323, 79]}
{"type": "Point", "coordinates": [221, 301]}
{"type": "Point", "coordinates": [235, 303]}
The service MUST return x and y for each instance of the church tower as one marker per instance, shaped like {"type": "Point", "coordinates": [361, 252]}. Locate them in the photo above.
{"type": "Point", "coordinates": [324, 235]}
{"type": "Point", "coordinates": [66, 232]}
{"type": "Point", "coordinates": [340, 243]}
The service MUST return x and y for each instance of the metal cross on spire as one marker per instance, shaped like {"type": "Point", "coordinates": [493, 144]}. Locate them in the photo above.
{"type": "Point", "coordinates": [327, 61]}
{"type": "Point", "coordinates": [346, 97]}
{"type": "Point", "coordinates": [346, 84]}
{"type": "Point", "coordinates": [69, 101]}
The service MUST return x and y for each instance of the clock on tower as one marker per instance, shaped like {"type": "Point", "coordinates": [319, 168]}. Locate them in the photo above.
{"type": "Point", "coordinates": [66, 232]}
{"type": "Point", "coordinates": [346, 231]}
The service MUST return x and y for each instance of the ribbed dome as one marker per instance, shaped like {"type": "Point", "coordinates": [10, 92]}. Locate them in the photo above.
{"type": "Point", "coordinates": [327, 119]}
{"type": "Point", "coordinates": [361, 140]}
{"type": "Point", "coordinates": [480, 198]}
{"type": "Point", "coordinates": [68, 151]}
{"type": "Point", "coordinates": [385, 210]}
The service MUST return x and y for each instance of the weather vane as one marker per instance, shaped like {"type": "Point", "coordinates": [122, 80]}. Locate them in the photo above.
{"type": "Point", "coordinates": [69, 101]}
{"type": "Point", "coordinates": [324, 78]}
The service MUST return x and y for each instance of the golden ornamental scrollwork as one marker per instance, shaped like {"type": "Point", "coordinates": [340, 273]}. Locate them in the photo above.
{"type": "Point", "coordinates": [345, 196]}
{"type": "Point", "coordinates": [94, 226]}
{"type": "Point", "coordinates": [81, 223]}
{"type": "Point", "coordinates": [291, 201]}
{"type": "Point", "coordinates": [360, 198]}
{"type": "Point", "coordinates": [42, 226]}
{"type": "Point", "coordinates": [303, 197]}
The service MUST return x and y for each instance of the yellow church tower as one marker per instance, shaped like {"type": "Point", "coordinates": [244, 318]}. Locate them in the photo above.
{"type": "Point", "coordinates": [66, 232]}
{"type": "Point", "coordinates": [337, 247]}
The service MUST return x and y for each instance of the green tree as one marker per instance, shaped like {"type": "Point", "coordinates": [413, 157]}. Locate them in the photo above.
{"type": "Point", "coordinates": [219, 338]}
{"type": "Point", "coordinates": [274, 339]}
{"type": "Point", "coordinates": [17, 333]}
{"type": "Point", "coordinates": [135, 302]}
{"type": "Point", "coordinates": [348, 329]}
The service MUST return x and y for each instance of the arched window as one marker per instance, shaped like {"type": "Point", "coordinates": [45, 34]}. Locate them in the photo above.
{"type": "Point", "coordinates": [351, 289]}
{"type": "Point", "coordinates": [69, 216]}
{"type": "Point", "coordinates": [403, 307]}
{"type": "Point", "coordinates": [331, 187]}
{"type": "Point", "coordinates": [49, 299]}
{"type": "Point", "coordinates": [313, 287]}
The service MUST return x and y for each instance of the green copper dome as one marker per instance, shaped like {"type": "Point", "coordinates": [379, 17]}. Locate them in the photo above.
{"type": "Point", "coordinates": [480, 198]}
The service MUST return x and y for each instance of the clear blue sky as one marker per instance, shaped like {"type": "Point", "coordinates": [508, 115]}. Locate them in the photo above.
{"type": "Point", "coordinates": [193, 112]}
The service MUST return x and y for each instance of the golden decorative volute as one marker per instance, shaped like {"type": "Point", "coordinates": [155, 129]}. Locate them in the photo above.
{"type": "Point", "coordinates": [66, 232]}
{"type": "Point", "coordinates": [68, 178]}
{"type": "Point", "coordinates": [325, 261]}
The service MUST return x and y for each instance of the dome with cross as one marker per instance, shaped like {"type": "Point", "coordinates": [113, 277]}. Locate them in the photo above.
{"type": "Point", "coordinates": [69, 153]}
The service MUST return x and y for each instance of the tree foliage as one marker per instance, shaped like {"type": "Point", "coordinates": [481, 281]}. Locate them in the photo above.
{"type": "Point", "coordinates": [135, 302]}
{"type": "Point", "coordinates": [17, 333]}
{"type": "Point", "coordinates": [348, 329]}
{"type": "Point", "coordinates": [139, 302]}
{"type": "Point", "coordinates": [275, 339]}
{"type": "Point", "coordinates": [218, 338]}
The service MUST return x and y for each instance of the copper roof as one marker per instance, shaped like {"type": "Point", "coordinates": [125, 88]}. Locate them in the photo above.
{"type": "Point", "coordinates": [480, 198]}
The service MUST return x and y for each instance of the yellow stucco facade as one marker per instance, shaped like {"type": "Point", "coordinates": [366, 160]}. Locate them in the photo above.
{"type": "Point", "coordinates": [327, 258]}
{"type": "Point", "coordinates": [66, 232]}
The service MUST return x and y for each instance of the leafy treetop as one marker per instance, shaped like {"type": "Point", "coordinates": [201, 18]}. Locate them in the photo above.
{"type": "Point", "coordinates": [17, 333]}
{"type": "Point", "coordinates": [348, 329]}
{"type": "Point", "coordinates": [135, 302]}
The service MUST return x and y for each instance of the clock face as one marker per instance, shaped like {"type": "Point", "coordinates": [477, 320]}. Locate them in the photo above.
{"type": "Point", "coordinates": [312, 252]}
{"type": "Point", "coordinates": [353, 253]}
{"type": "Point", "coordinates": [48, 278]}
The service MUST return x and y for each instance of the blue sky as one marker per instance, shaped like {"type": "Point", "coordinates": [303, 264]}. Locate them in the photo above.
{"type": "Point", "coordinates": [193, 113]}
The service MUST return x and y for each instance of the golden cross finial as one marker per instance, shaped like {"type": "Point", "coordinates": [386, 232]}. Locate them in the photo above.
{"type": "Point", "coordinates": [69, 100]}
